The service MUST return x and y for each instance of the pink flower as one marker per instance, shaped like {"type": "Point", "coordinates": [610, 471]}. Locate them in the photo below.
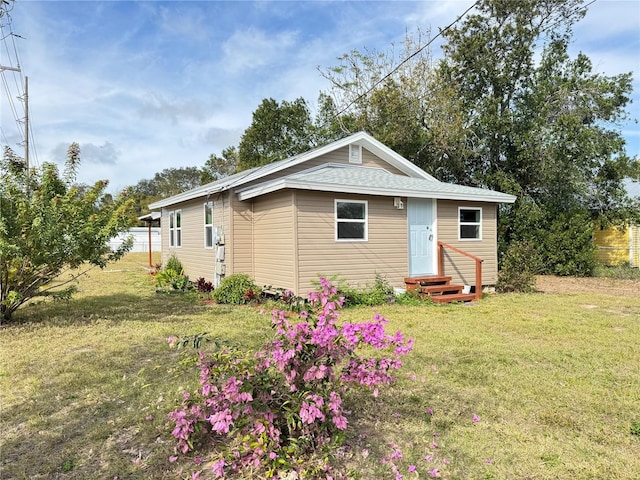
{"type": "Point", "coordinates": [430, 411]}
{"type": "Point", "coordinates": [412, 468]}
{"type": "Point", "coordinates": [476, 418]}
{"type": "Point", "coordinates": [172, 458]}
{"type": "Point", "coordinates": [489, 461]}
{"type": "Point", "coordinates": [218, 467]}
{"type": "Point", "coordinates": [172, 341]}
{"type": "Point", "coordinates": [434, 472]}
{"type": "Point", "coordinates": [340, 422]}
{"type": "Point", "coordinates": [273, 456]}
{"type": "Point", "coordinates": [428, 458]}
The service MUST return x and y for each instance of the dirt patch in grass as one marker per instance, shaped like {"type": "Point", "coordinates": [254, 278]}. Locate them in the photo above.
{"type": "Point", "coordinates": [572, 285]}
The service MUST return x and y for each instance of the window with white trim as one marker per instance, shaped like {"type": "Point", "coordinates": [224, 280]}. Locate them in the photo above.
{"type": "Point", "coordinates": [175, 228]}
{"type": "Point", "coordinates": [351, 220]}
{"type": "Point", "coordinates": [355, 154]}
{"type": "Point", "coordinates": [469, 223]}
{"type": "Point", "coordinates": [208, 225]}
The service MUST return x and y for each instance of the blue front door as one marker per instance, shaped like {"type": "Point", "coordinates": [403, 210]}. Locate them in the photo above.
{"type": "Point", "coordinates": [420, 213]}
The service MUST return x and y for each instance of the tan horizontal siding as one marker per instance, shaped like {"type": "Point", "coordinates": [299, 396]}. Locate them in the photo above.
{"type": "Point", "coordinates": [460, 267]}
{"type": "Point", "coordinates": [384, 253]}
{"type": "Point", "coordinates": [241, 258]}
{"type": "Point", "coordinates": [196, 260]}
{"type": "Point", "coordinates": [273, 251]}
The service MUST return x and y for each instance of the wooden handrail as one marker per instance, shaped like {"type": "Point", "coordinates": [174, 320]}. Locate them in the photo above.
{"type": "Point", "coordinates": [478, 260]}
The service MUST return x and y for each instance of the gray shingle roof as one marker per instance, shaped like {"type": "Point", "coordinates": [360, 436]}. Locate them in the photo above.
{"type": "Point", "coordinates": [372, 181]}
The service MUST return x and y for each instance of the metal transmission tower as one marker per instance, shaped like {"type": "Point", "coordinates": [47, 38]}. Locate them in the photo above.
{"type": "Point", "coordinates": [25, 99]}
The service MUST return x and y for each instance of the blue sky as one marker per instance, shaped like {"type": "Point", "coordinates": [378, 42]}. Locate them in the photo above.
{"type": "Point", "coordinates": [148, 85]}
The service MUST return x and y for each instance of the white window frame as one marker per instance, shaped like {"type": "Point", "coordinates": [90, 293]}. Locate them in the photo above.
{"type": "Point", "coordinates": [474, 224]}
{"type": "Point", "coordinates": [175, 230]}
{"type": "Point", "coordinates": [355, 154]}
{"type": "Point", "coordinates": [209, 226]}
{"type": "Point", "coordinates": [364, 221]}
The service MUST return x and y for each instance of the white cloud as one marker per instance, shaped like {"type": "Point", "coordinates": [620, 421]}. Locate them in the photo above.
{"type": "Point", "coordinates": [252, 49]}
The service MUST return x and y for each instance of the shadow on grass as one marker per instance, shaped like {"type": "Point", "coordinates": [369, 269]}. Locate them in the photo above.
{"type": "Point", "coordinates": [115, 307]}
{"type": "Point", "coordinates": [97, 419]}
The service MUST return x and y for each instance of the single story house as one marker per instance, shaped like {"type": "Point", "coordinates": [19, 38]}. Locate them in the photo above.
{"type": "Point", "coordinates": [354, 208]}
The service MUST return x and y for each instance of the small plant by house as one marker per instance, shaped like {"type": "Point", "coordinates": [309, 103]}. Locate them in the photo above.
{"type": "Point", "coordinates": [280, 410]}
{"type": "Point", "coordinates": [203, 286]}
{"type": "Point", "coordinates": [283, 298]}
{"type": "Point", "coordinates": [237, 289]}
{"type": "Point", "coordinates": [172, 277]}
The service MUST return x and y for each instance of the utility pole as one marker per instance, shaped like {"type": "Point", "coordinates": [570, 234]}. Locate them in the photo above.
{"type": "Point", "coordinates": [26, 122]}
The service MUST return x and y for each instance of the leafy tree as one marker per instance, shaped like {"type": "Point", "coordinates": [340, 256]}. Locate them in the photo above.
{"type": "Point", "coordinates": [217, 167]}
{"type": "Point", "coordinates": [166, 183]}
{"type": "Point", "coordinates": [277, 131]}
{"type": "Point", "coordinates": [49, 226]}
{"type": "Point", "coordinates": [546, 130]}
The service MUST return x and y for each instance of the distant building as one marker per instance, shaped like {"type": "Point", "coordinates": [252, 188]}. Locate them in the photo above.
{"type": "Point", "coordinates": [617, 246]}
{"type": "Point", "coordinates": [140, 239]}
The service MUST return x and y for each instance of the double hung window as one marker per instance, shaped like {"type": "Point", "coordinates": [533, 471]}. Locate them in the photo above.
{"type": "Point", "coordinates": [469, 223]}
{"type": "Point", "coordinates": [175, 228]}
{"type": "Point", "coordinates": [208, 225]}
{"type": "Point", "coordinates": [351, 220]}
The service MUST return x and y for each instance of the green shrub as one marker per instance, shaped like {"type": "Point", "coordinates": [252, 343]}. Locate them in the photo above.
{"type": "Point", "coordinates": [411, 297]}
{"type": "Point", "coordinates": [173, 263]}
{"type": "Point", "coordinates": [518, 271]}
{"type": "Point", "coordinates": [236, 289]}
{"type": "Point", "coordinates": [169, 279]}
{"type": "Point", "coordinates": [569, 247]}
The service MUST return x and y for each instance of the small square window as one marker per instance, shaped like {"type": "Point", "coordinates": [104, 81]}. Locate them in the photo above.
{"type": "Point", "coordinates": [469, 223]}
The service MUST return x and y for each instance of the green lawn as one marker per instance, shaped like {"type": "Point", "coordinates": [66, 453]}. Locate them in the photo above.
{"type": "Point", "coordinates": [554, 379]}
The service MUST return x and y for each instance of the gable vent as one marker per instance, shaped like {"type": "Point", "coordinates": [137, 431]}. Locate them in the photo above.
{"type": "Point", "coordinates": [355, 154]}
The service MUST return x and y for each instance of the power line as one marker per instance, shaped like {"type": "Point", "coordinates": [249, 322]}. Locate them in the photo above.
{"type": "Point", "coordinates": [23, 123]}
{"type": "Point", "coordinates": [397, 67]}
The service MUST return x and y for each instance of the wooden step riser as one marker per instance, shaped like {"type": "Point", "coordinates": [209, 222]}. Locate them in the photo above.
{"type": "Point", "coordinates": [460, 297]}
{"type": "Point", "coordinates": [441, 289]}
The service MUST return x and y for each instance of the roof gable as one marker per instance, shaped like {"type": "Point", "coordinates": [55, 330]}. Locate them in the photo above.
{"type": "Point", "coordinates": [242, 178]}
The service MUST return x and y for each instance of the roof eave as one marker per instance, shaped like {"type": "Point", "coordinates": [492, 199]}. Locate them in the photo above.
{"type": "Point", "coordinates": [269, 187]}
{"type": "Point", "coordinates": [186, 196]}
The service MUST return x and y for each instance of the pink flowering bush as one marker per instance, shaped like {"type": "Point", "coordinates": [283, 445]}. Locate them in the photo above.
{"type": "Point", "coordinates": [281, 409]}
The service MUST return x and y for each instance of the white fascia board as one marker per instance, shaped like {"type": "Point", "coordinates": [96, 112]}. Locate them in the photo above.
{"type": "Point", "coordinates": [185, 196]}
{"type": "Point", "coordinates": [393, 158]}
{"type": "Point", "coordinates": [269, 187]}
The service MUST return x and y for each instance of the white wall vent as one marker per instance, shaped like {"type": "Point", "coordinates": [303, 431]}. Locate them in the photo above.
{"type": "Point", "coordinates": [355, 154]}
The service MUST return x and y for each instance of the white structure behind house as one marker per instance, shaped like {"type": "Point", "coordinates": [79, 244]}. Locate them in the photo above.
{"type": "Point", "coordinates": [140, 239]}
